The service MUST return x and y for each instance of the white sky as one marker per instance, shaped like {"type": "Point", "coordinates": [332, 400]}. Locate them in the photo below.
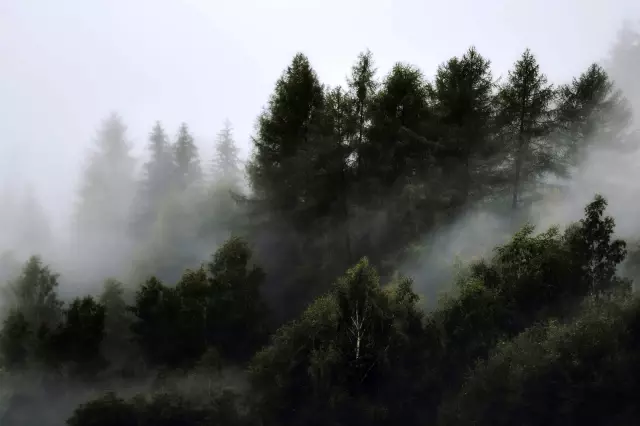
{"type": "Point", "coordinates": [65, 64]}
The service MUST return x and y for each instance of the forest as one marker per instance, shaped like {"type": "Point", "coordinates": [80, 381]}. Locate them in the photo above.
{"type": "Point", "coordinates": [300, 287]}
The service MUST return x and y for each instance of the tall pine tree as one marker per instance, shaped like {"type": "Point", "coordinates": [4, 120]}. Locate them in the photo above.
{"type": "Point", "coordinates": [186, 159]}
{"type": "Point", "coordinates": [592, 112]}
{"type": "Point", "coordinates": [226, 162]}
{"type": "Point", "coordinates": [362, 89]}
{"type": "Point", "coordinates": [278, 169]}
{"type": "Point", "coordinates": [156, 183]}
{"type": "Point", "coordinates": [107, 188]}
{"type": "Point", "coordinates": [525, 103]}
{"type": "Point", "coordinates": [106, 196]}
{"type": "Point", "coordinates": [399, 113]}
{"type": "Point", "coordinates": [463, 98]}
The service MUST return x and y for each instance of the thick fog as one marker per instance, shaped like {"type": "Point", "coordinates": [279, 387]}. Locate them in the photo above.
{"type": "Point", "coordinates": [65, 66]}
{"type": "Point", "coordinates": [76, 73]}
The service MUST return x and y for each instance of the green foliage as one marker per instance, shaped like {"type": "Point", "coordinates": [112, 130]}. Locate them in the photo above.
{"type": "Point", "coordinates": [158, 328]}
{"type": "Point", "coordinates": [116, 344]}
{"type": "Point", "coordinates": [591, 112]}
{"type": "Point", "coordinates": [463, 101]}
{"type": "Point", "coordinates": [186, 159]}
{"type": "Point", "coordinates": [159, 410]}
{"type": "Point", "coordinates": [530, 279]}
{"type": "Point", "coordinates": [545, 327]}
{"type": "Point", "coordinates": [218, 306]}
{"type": "Point", "coordinates": [34, 293]}
{"type": "Point", "coordinates": [343, 348]}
{"type": "Point", "coordinates": [556, 374]}
{"type": "Point", "coordinates": [35, 308]}
{"type": "Point", "coordinates": [236, 322]}
{"type": "Point", "coordinates": [76, 343]}
{"type": "Point", "coordinates": [14, 341]}
{"type": "Point", "coordinates": [398, 112]}
{"type": "Point", "coordinates": [108, 410]}
{"type": "Point", "coordinates": [524, 112]}
{"type": "Point", "coordinates": [284, 129]}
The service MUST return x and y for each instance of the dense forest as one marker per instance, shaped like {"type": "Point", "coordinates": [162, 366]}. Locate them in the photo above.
{"type": "Point", "coordinates": [283, 290]}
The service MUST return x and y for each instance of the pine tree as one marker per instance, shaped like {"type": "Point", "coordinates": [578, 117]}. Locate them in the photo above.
{"type": "Point", "coordinates": [103, 213]}
{"type": "Point", "coordinates": [278, 169]}
{"type": "Point", "coordinates": [394, 163]}
{"type": "Point", "coordinates": [464, 105]}
{"type": "Point", "coordinates": [399, 113]}
{"type": "Point", "coordinates": [186, 159]}
{"type": "Point", "coordinates": [362, 90]}
{"type": "Point", "coordinates": [156, 183]}
{"type": "Point", "coordinates": [226, 163]}
{"type": "Point", "coordinates": [346, 134]}
{"type": "Point", "coordinates": [108, 186]}
{"type": "Point", "coordinates": [525, 113]}
{"type": "Point", "coordinates": [592, 112]}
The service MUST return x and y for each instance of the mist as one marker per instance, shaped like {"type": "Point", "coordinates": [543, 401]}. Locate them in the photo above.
{"type": "Point", "coordinates": [77, 76]}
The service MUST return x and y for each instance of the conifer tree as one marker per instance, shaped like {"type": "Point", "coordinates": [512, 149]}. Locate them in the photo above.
{"type": "Point", "coordinates": [362, 89]}
{"type": "Point", "coordinates": [226, 163]}
{"type": "Point", "coordinates": [399, 113]}
{"type": "Point", "coordinates": [186, 159]}
{"type": "Point", "coordinates": [592, 112]}
{"type": "Point", "coordinates": [108, 184]}
{"type": "Point", "coordinates": [278, 169]}
{"type": "Point", "coordinates": [525, 103]}
{"type": "Point", "coordinates": [463, 106]}
{"type": "Point", "coordinates": [156, 182]}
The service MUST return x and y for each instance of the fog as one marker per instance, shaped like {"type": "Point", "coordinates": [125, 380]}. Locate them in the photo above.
{"type": "Point", "coordinates": [65, 66]}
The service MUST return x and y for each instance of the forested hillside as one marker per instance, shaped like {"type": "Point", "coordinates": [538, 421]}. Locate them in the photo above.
{"type": "Point", "coordinates": [279, 291]}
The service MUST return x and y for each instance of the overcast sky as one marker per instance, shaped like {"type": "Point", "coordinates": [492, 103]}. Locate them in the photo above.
{"type": "Point", "coordinates": [65, 64]}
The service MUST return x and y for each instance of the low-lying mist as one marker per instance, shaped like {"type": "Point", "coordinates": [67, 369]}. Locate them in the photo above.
{"type": "Point", "coordinates": [360, 187]}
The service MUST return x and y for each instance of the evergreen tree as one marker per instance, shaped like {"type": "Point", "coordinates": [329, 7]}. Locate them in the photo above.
{"type": "Point", "coordinates": [338, 169]}
{"type": "Point", "coordinates": [157, 327]}
{"type": "Point", "coordinates": [221, 211]}
{"type": "Point", "coordinates": [186, 159]}
{"type": "Point", "coordinates": [226, 163]}
{"type": "Point", "coordinates": [76, 342]}
{"type": "Point", "coordinates": [107, 188]}
{"type": "Point", "coordinates": [156, 183]}
{"type": "Point", "coordinates": [278, 169]}
{"type": "Point", "coordinates": [463, 99]}
{"type": "Point", "coordinates": [237, 314]}
{"type": "Point", "coordinates": [117, 322]}
{"type": "Point", "coordinates": [592, 112]}
{"type": "Point", "coordinates": [525, 103]}
{"type": "Point", "coordinates": [395, 165]}
{"type": "Point", "coordinates": [362, 90]}
{"type": "Point", "coordinates": [103, 213]}
{"type": "Point", "coordinates": [395, 149]}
